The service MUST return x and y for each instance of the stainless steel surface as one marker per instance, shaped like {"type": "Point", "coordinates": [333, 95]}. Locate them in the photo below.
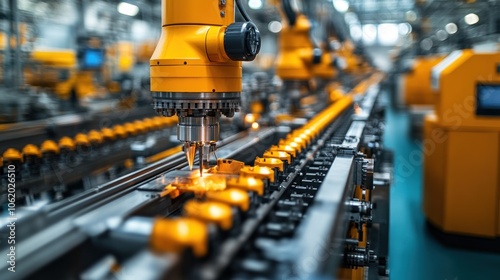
{"type": "Point", "coordinates": [198, 129]}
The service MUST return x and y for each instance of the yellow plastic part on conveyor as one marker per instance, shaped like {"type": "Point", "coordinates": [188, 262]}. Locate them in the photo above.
{"type": "Point", "coordinates": [211, 212]}
{"type": "Point", "coordinates": [82, 140]}
{"type": "Point", "coordinates": [229, 166]}
{"type": "Point", "coordinates": [108, 134]}
{"type": "Point", "coordinates": [95, 137]}
{"type": "Point", "coordinates": [31, 150]}
{"type": "Point", "coordinates": [66, 143]}
{"type": "Point", "coordinates": [249, 184]}
{"type": "Point", "coordinates": [270, 162]}
{"type": "Point", "coordinates": [119, 130]}
{"type": "Point", "coordinates": [283, 156]}
{"type": "Point", "coordinates": [175, 235]}
{"type": "Point", "coordinates": [286, 148]}
{"type": "Point", "coordinates": [260, 172]}
{"type": "Point", "coordinates": [12, 155]}
{"type": "Point", "coordinates": [49, 146]}
{"type": "Point", "coordinates": [234, 197]}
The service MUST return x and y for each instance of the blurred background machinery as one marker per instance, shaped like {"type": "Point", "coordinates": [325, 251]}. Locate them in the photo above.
{"type": "Point", "coordinates": [249, 139]}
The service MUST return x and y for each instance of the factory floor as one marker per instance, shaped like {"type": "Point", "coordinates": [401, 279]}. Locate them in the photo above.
{"type": "Point", "coordinates": [414, 254]}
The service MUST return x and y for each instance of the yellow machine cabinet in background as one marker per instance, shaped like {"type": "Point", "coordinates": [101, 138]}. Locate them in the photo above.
{"type": "Point", "coordinates": [462, 147]}
{"type": "Point", "coordinates": [415, 85]}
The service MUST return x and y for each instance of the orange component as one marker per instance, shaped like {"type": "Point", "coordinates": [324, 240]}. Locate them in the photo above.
{"type": "Point", "coordinates": [82, 139]}
{"type": "Point", "coordinates": [131, 129]}
{"type": "Point", "coordinates": [270, 162]}
{"type": "Point", "coordinates": [157, 122]}
{"type": "Point", "coordinates": [229, 166]}
{"type": "Point", "coordinates": [175, 235]}
{"type": "Point", "coordinates": [211, 212]}
{"type": "Point", "coordinates": [120, 131]}
{"type": "Point", "coordinates": [108, 134]}
{"type": "Point", "coordinates": [95, 137]}
{"type": "Point", "coordinates": [49, 146]}
{"type": "Point", "coordinates": [139, 126]}
{"type": "Point", "coordinates": [12, 155]}
{"type": "Point", "coordinates": [233, 197]}
{"type": "Point", "coordinates": [285, 148]}
{"type": "Point", "coordinates": [283, 156]}
{"type": "Point", "coordinates": [31, 150]}
{"type": "Point", "coordinates": [148, 124]}
{"type": "Point", "coordinates": [250, 184]}
{"type": "Point", "coordinates": [260, 172]}
{"type": "Point", "coordinates": [66, 143]}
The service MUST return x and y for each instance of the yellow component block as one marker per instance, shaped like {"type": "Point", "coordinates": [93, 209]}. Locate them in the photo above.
{"type": "Point", "coordinates": [66, 143]}
{"type": "Point", "coordinates": [148, 124]}
{"type": "Point", "coordinates": [210, 212]}
{"type": "Point", "coordinates": [108, 134]}
{"type": "Point", "coordinates": [82, 140]}
{"type": "Point", "coordinates": [325, 69]}
{"type": "Point", "coordinates": [49, 146]}
{"type": "Point", "coordinates": [175, 235]}
{"type": "Point", "coordinates": [229, 166]}
{"type": "Point", "coordinates": [139, 126]}
{"type": "Point", "coordinates": [233, 197]}
{"type": "Point", "coordinates": [12, 155]}
{"type": "Point", "coordinates": [31, 150]}
{"type": "Point", "coordinates": [259, 172]}
{"type": "Point", "coordinates": [131, 129]}
{"type": "Point", "coordinates": [270, 162]}
{"type": "Point", "coordinates": [120, 131]}
{"type": "Point", "coordinates": [285, 148]}
{"type": "Point", "coordinates": [95, 137]}
{"type": "Point", "coordinates": [56, 58]}
{"type": "Point", "coordinates": [283, 156]}
{"type": "Point", "coordinates": [250, 184]}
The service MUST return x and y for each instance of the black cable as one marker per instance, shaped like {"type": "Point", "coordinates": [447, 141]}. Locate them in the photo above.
{"type": "Point", "coordinates": [242, 10]}
{"type": "Point", "coordinates": [289, 12]}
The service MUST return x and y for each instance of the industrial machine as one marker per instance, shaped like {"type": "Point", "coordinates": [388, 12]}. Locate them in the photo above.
{"type": "Point", "coordinates": [196, 68]}
{"type": "Point", "coordinates": [308, 203]}
{"type": "Point", "coordinates": [461, 151]}
{"type": "Point", "coordinates": [296, 56]}
{"type": "Point", "coordinates": [414, 91]}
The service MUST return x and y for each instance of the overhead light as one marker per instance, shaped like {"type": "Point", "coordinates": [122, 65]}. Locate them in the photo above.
{"type": "Point", "coordinates": [471, 19]}
{"type": "Point", "coordinates": [255, 4]}
{"type": "Point", "coordinates": [341, 5]}
{"type": "Point", "coordinates": [128, 9]}
{"type": "Point", "coordinates": [451, 28]}
{"type": "Point", "coordinates": [404, 28]}
{"type": "Point", "coordinates": [274, 26]}
{"type": "Point", "coordinates": [411, 16]}
{"type": "Point", "coordinates": [441, 35]}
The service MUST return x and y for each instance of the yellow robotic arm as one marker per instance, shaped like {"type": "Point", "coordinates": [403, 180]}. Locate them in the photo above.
{"type": "Point", "coordinates": [196, 68]}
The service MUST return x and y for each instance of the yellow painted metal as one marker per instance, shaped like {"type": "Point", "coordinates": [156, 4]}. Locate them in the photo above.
{"type": "Point", "coordinates": [108, 134]}
{"type": "Point", "coordinates": [190, 55]}
{"type": "Point", "coordinates": [295, 55]}
{"type": "Point", "coordinates": [211, 212]}
{"type": "Point", "coordinates": [95, 137]}
{"type": "Point", "coordinates": [416, 84]}
{"type": "Point", "coordinates": [175, 235]}
{"type": "Point", "coordinates": [462, 151]}
{"type": "Point", "coordinates": [325, 69]}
